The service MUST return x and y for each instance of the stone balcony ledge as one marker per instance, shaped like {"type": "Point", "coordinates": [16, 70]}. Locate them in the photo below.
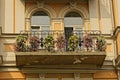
{"type": "Point", "coordinates": [61, 53]}
{"type": "Point", "coordinates": [43, 59]}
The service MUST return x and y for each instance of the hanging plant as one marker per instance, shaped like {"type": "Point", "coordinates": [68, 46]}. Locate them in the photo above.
{"type": "Point", "coordinates": [73, 42]}
{"type": "Point", "coordinates": [21, 44]}
{"type": "Point", "coordinates": [88, 42]}
{"type": "Point", "coordinates": [61, 42]}
{"type": "Point", "coordinates": [101, 43]}
{"type": "Point", "coordinates": [49, 43]}
{"type": "Point", "coordinates": [34, 43]}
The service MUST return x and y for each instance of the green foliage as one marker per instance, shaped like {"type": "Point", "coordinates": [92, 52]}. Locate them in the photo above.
{"type": "Point", "coordinates": [73, 42]}
{"type": "Point", "coordinates": [101, 43]}
{"type": "Point", "coordinates": [49, 43]}
{"type": "Point", "coordinates": [21, 44]}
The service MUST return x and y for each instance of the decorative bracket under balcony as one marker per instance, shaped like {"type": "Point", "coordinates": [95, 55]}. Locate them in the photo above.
{"type": "Point", "coordinates": [117, 61]}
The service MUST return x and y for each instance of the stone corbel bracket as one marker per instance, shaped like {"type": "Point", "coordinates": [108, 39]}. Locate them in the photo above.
{"type": "Point", "coordinates": [73, 3]}
{"type": "Point", "coordinates": [40, 3]}
{"type": "Point", "coordinates": [116, 32]}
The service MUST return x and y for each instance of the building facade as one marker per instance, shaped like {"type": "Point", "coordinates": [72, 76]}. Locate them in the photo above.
{"type": "Point", "coordinates": [30, 18]}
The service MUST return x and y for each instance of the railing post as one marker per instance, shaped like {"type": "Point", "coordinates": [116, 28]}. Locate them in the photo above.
{"type": "Point", "coordinates": [77, 76]}
{"type": "Point", "coordinates": [42, 76]}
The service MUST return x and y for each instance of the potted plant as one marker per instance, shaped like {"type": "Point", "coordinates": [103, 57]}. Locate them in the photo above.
{"type": "Point", "coordinates": [21, 44]}
{"type": "Point", "coordinates": [34, 43]}
{"type": "Point", "coordinates": [101, 43]}
{"type": "Point", "coordinates": [72, 42]}
{"type": "Point", "coordinates": [60, 42]}
{"type": "Point", "coordinates": [49, 43]}
{"type": "Point", "coordinates": [88, 42]}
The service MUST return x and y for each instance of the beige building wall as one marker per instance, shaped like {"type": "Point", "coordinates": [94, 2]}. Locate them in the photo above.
{"type": "Point", "coordinates": [19, 16]}
{"type": "Point", "coordinates": [2, 13]}
{"type": "Point", "coordinates": [101, 17]}
{"type": "Point", "coordinates": [106, 16]}
{"type": "Point", "coordinates": [9, 18]}
{"type": "Point", "coordinates": [12, 14]}
{"type": "Point", "coordinates": [93, 11]}
{"type": "Point", "coordinates": [118, 10]}
{"type": "Point", "coordinates": [6, 49]}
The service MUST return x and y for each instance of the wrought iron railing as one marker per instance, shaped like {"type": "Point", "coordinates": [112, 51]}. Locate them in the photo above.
{"type": "Point", "coordinates": [57, 40]}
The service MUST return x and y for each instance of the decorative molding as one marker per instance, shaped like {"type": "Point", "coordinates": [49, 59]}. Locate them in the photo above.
{"type": "Point", "coordinates": [37, 70]}
{"type": "Point", "coordinates": [27, 19]}
{"type": "Point", "coordinates": [32, 9]}
{"type": "Point", "coordinates": [14, 17]}
{"type": "Point", "coordinates": [40, 3]}
{"type": "Point", "coordinates": [80, 9]}
{"type": "Point", "coordinates": [73, 4]}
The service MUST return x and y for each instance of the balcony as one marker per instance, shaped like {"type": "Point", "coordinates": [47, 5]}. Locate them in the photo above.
{"type": "Point", "coordinates": [48, 49]}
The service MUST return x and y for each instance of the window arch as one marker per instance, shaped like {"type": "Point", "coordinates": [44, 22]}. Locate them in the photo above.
{"type": "Point", "coordinates": [80, 9]}
{"type": "Point", "coordinates": [34, 8]}
{"type": "Point", "coordinates": [40, 20]}
{"type": "Point", "coordinates": [73, 19]}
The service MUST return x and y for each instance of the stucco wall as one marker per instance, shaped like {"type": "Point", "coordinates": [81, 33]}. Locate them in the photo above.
{"type": "Point", "coordinates": [93, 11]}
{"type": "Point", "coordinates": [7, 55]}
{"type": "Point", "coordinates": [8, 16]}
{"type": "Point", "coordinates": [12, 16]}
{"type": "Point", "coordinates": [118, 9]}
{"type": "Point", "coordinates": [20, 16]}
{"type": "Point", "coordinates": [101, 15]}
{"type": "Point", "coordinates": [2, 13]}
{"type": "Point", "coordinates": [106, 16]}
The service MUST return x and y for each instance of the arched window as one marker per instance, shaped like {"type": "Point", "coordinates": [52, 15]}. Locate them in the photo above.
{"type": "Point", "coordinates": [40, 20]}
{"type": "Point", "coordinates": [72, 21]}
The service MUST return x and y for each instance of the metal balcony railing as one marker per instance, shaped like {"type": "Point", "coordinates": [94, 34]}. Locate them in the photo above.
{"type": "Point", "coordinates": [57, 40]}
